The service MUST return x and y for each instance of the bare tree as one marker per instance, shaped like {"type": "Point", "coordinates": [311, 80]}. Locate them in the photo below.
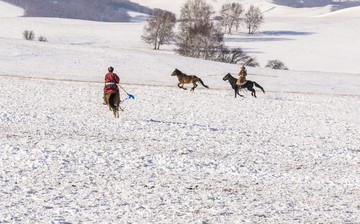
{"type": "Point", "coordinates": [29, 35]}
{"type": "Point", "coordinates": [199, 37]}
{"type": "Point", "coordinates": [167, 34]}
{"type": "Point", "coordinates": [253, 19]}
{"type": "Point", "coordinates": [159, 28]}
{"type": "Point", "coordinates": [276, 64]}
{"type": "Point", "coordinates": [231, 16]}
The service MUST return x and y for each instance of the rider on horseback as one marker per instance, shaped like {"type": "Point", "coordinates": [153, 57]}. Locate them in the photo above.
{"type": "Point", "coordinates": [243, 73]}
{"type": "Point", "coordinates": [111, 81]}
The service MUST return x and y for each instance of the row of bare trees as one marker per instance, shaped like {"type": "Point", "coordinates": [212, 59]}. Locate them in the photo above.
{"type": "Point", "coordinates": [232, 15]}
{"type": "Point", "coordinates": [159, 29]}
{"type": "Point", "coordinates": [200, 36]}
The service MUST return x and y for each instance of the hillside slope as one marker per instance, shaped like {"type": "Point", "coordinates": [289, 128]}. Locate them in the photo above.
{"type": "Point", "coordinates": [98, 10]}
{"type": "Point", "coordinates": [8, 10]}
{"type": "Point", "coordinates": [73, 53]}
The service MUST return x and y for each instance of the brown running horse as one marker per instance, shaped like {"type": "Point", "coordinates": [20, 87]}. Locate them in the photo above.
{"type": "Point", "coordinates": [113, 100]}
{"type": "Point", "coordinates": [184, 79]}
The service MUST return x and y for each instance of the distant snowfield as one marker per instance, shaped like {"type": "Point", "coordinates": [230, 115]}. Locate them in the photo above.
{"type": "Point", "coordinates": [174, 156]}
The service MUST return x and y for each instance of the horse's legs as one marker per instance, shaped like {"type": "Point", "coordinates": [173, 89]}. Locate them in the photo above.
{"type": "Point", "coordinates": [194, 86]}
{"type": "Point", "coordinates": [251, 88]}
{"type": "Point", "coordinates": [239, 94]}
{"type": "Point", "coordinates": [182, 86]}
{"type": "Point", "coordinates": [253, 93]}
{"type": "Point", "coordinates": [117, 105]}
{"type": "Point", "coordinates": [116, 113]}
{"type": "Point", "coordinates": [236, 88]}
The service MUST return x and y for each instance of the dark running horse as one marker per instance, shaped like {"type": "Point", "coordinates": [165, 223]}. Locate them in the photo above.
{"type": "Point", "coordinates": [113, 100]}
{"type": "Point", "coordinates": [249, 85]}
{"type": "Point", "coordinates": [183, 79]}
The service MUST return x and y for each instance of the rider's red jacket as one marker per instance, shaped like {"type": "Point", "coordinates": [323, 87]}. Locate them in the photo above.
{"type": "Point", "coordinates": [111, 78]}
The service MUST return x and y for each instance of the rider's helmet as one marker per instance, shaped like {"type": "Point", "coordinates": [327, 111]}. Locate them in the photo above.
{"type": "Point", "coordinates": [110, 69]}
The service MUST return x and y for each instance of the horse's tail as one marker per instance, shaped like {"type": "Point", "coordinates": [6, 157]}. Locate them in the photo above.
{"type": "Point", "coordinates": [112, 101]}
{"type": "Point", "coordinates": [257, 85]}
{"type": "Point", "coordinates": [202, 83]}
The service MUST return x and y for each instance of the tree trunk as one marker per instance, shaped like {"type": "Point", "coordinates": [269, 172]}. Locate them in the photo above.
{"type": "Point", "coordinates": [230, 27]}
{"type": "Point", "coordinates": [155, 45]}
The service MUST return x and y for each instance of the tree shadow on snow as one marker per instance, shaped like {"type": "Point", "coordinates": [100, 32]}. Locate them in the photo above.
{"type": "Point", "coordinates": [267, 36]}
{"type": "Point", "coordinates": [286, 33]}
{"type": "Point", "coordinates": [254, 39]}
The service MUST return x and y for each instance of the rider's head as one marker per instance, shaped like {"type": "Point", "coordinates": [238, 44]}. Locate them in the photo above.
{"type": "Point", "coordinates": [110, 69]}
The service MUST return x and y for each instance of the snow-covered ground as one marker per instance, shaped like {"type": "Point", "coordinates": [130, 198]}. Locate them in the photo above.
{"type": "Point", "coordinates": [174, 156]}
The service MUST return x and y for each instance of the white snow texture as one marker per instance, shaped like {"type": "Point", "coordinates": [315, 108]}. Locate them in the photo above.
{"type": "Point", "coordinates": [290, 155]}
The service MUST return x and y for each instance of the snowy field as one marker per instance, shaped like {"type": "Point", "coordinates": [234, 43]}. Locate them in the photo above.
{"type": "Point", "coordinates": [291, 155]}
{"type": "Point", "coordinates": [176, 156]}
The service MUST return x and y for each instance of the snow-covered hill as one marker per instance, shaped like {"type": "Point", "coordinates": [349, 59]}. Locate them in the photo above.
{"type": "Point", "coordinates": [353, 12]}
{"type": "Point", "coordinates": [8, 10]}
{"type": "Point", "coordinates": [174, 156]}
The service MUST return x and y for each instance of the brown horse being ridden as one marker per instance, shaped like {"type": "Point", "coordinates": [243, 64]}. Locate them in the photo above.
{"type": "Point", "coordinates": [184, 79]}
{"type": "Point", "coordinates": [113, 100]}
{"type": "Point", "coordinates": [111, 92]}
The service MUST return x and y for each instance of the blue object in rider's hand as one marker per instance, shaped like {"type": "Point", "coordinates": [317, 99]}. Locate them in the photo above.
{"type": "Point", "coordinates": [130, 96]}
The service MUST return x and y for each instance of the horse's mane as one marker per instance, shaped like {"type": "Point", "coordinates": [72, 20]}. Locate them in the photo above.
{"type": "Point", "coordinates": [179, 72]}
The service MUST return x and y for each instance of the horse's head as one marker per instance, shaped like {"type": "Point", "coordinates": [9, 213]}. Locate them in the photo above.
{"type": "Point", "coordinates": [226, 77]}
{"type": "Point", "coordinates": [175, 72]}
